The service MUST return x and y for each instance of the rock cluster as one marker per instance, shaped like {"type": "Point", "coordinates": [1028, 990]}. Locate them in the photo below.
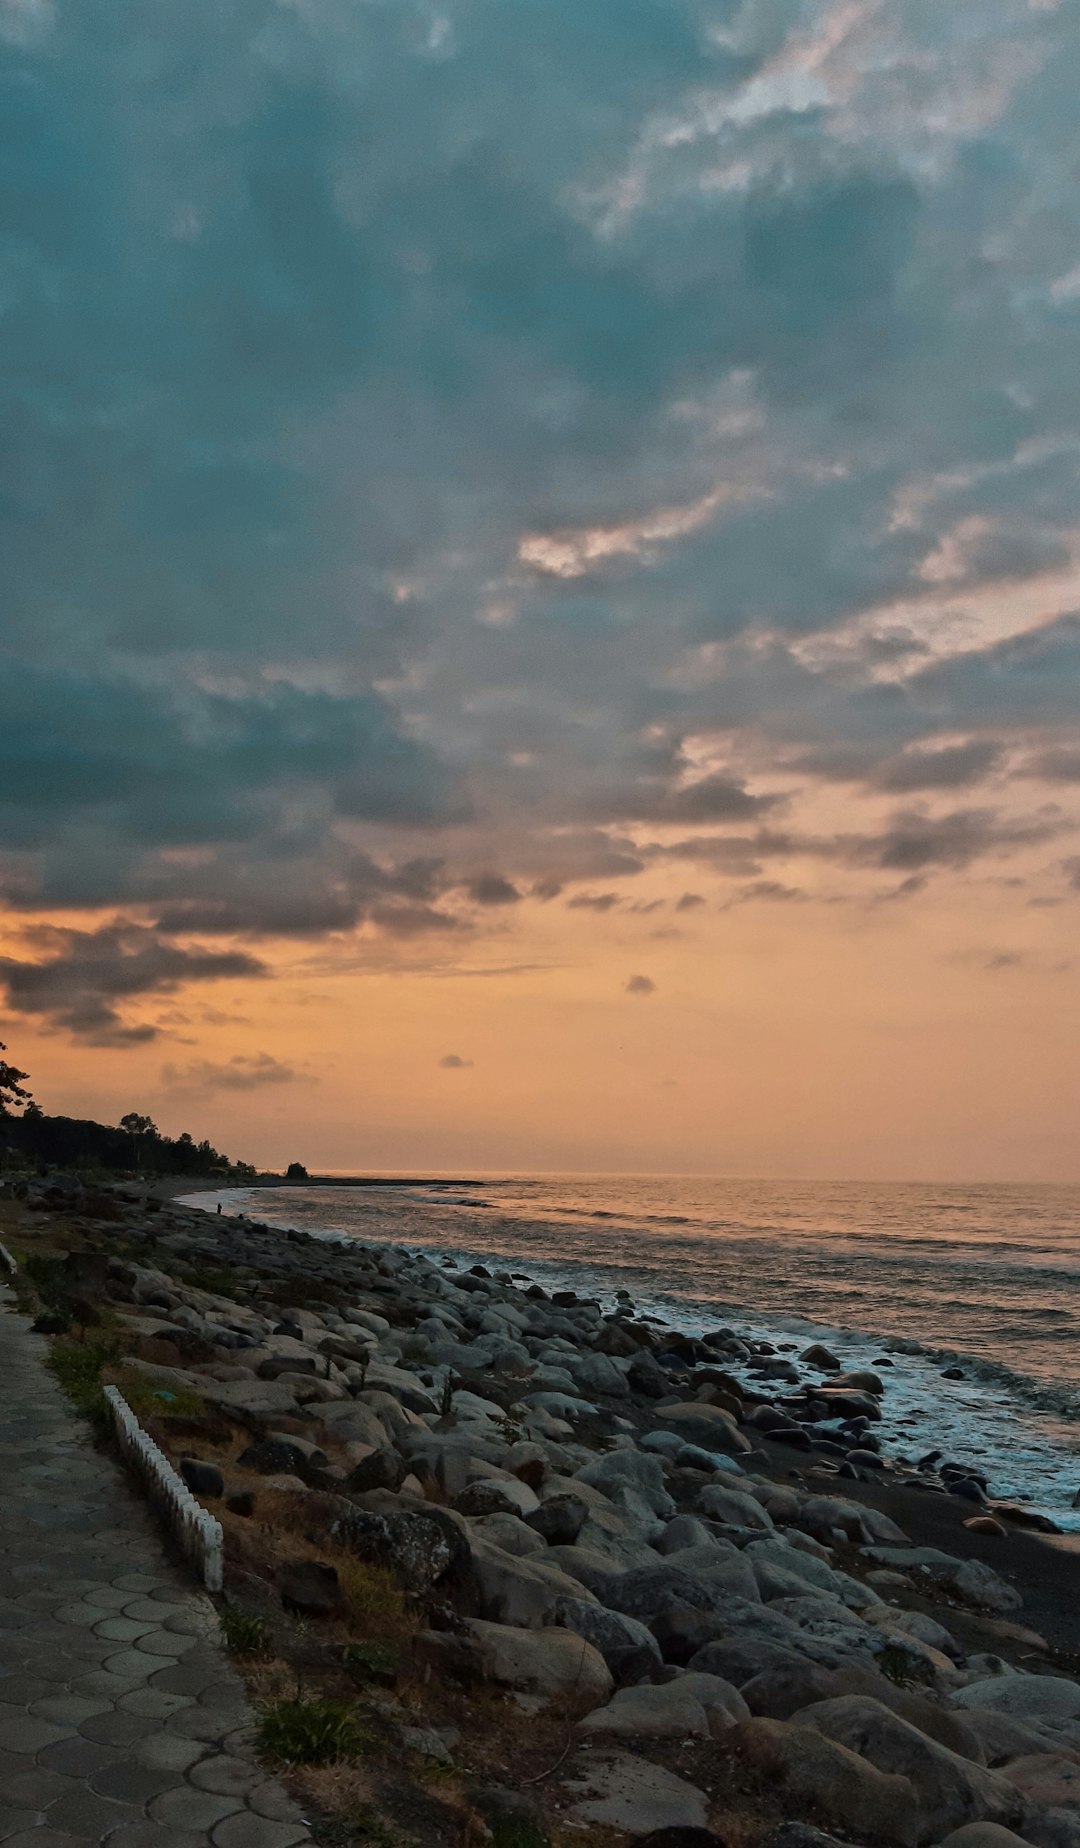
{"type": "Point", "coordinates": [589, 1512]}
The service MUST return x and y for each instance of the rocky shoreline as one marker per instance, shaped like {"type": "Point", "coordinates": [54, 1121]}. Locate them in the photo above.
{"type": "Point", "coordinates": [579, 1576]}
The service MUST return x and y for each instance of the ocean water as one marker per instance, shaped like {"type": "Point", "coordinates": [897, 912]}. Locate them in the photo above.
{"type": "Point", "coordinates": [984, 1277]}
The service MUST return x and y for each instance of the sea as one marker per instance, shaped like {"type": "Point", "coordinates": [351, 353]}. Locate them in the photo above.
{"type": "Point", "coordinates": [981, 1278]}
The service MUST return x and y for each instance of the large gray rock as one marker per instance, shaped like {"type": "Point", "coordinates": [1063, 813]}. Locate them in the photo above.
{"type": "Point", "coordinates": [982, 1835]}
{"type": "Point", "coordinates": [556, 1666]}
{"type": "Point", "coordinates": [620, 1792]}
{"type": "Point", "coordinates": [951, 1790]}
{"type": "Point", "coordinates": [620, 1470]}
{"type": "Point", "coordinates": [669, 1711]}
{"type": "Point", "coordinates": [733, 1507]}
{"type": "Point", "coordinates": [629, 1649]}
{"type": "Point", "coordinates": [682, 1532]}
{"type": "Point", "coordinates": [515, 1591]}
{"type": "Point", "coordinates": [707, 1425]}
{"type": "Point", "coordinates": [846, 1789]}
{"type": "Point", "coordinates": [497, 1495]}
{"type": "Point", "coordinates": [776, 1563]}
{"type": "Point", "coordinates": [257, 1404]}
{"type": "Point", "coordinates": [967, 1579]}
{"type": "Point", "coordinates": [593, 1373]}
{"type": "Point", "coordinates": [510, 1534]}
{"type": "Point", "coordinates": [646, 1591]}
{"type": "Point", "coordinates": [782, 1692]}
{"type": "Point", "coordinates": [718, 1697]}
{"type": "Point", "coordinates": [1023, 1696]}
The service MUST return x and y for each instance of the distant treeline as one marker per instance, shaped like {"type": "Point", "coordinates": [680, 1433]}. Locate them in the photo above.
{"type": "Point", "coordinates": [37, 1140]}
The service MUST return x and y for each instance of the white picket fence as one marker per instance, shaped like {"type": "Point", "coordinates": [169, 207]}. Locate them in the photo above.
{"type": "Point", "coordinates": [198, 1533]}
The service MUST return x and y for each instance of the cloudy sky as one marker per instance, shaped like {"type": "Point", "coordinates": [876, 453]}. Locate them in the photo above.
{"type": "Point", "coordinates": [541, 579]}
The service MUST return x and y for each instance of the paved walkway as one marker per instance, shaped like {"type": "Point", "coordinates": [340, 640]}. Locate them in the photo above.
{"type": "Point", "coordinates": [121, 1720]}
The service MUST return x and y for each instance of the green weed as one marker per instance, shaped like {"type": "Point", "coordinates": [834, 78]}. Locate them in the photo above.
{"type": "Point", "coordinates": [310, 1732]}
{"type": "Point", "coordinates": [246, 1634]}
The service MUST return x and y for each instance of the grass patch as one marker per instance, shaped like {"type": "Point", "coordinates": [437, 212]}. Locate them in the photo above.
{"type": "Point", "coordinates": [246, 1634]}
{"type": "Point", "coordinates": [370, 1593]}
{"type": "Point", "coordinates": [311, 1732]}
{"type": "Point", "coordinates": [518, 1832]}
{"type": "Point", "coordinates": [78, 1366]}
{"type": "Point", "coordinates": [146, 1398]}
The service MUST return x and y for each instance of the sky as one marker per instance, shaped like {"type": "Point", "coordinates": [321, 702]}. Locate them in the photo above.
{"type": "Point", "coordinates": [541, 586]}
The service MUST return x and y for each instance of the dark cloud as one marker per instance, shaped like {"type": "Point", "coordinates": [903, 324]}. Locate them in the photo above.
{"type": "Point", "coordinates": [690, 901]}
{"type": "Point", "coordinates": [919, 767]}
{"type": "Point", "coordinates": [769, 892]}
{"type": "Point", "coordinates": [421, 429]}
{"type": "Point", "coordinates": [453, 1062]}
{"type": "Point", "coordinates": [640, 985]}
{"type": "Point", "coordinates": [715, 798]}
{"type": "Point", "coordinates": [914, 840]}
{"type": "Point", "coordinates": [1059, 765]}
{"type": "Point", "coordinates": [593, 901]}
{"type": "Point", "coordinates": [243, 1072]}
{"type": "Point", "coordinates": [950, 766]}
{"type": "Point", "coordinates": [492, 889]}
{"type": "Point", "coordinates": [81, 978]}
{"type": "Point", "coordinates": [403, 920]}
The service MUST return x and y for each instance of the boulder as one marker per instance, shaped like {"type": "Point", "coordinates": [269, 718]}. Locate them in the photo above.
{"type": "Point", "coordinates": [668, 1711]}
{"type": "Point", "coordinates": [862, 1380]}
{"type": "Point", "coordinates": [982, 1835]}
{"type": "Point", "coordinates": [422, 1548]}
{"type": "Point", "coordinates": [254, 1403]}
{"type": "Point", "coordinates": [308, 1588]}
{"type": "Point", "coordinates": [733, 1507]}
{"type": "Point", "coordinates": [511, 1535]}
{"type": "Point", "coordinates": [516, 1591]}
{"type": "Point", "coordinates": [812, 1769]}
{"type": "Point", "coordinates": [683, 1532]}
{"type": "Point", "coordinates": [1050, 1780]}
{"type": "Point", "coordinates": [707, 1425]}
{"type": "Point", "coordinates": [498, 1495]}
{"type": "Point", "coordinates": [635, 1469]}
{"type": "Point", "coordinates": [951, 1790]}
{"type": "Point", "coordinates": [967, 1579]}
{"type": "Point", "coordinates": [823, 1358]}
{"type": "Point", "coordinates": [720, 1699]}
{"type": "Point", "coordinates": [1001, 1737]}
{"type": "Point", "coordinates": [202, 1478]}
{"type": "Point", "coordinates": [795, 1689]}
{"type": "Point", "coordinates": [620, 1792]}
{"type": "Point", "coordinates": [648, 1590]}
{"type": "Point", "coordinates": [629, 1649]}
{"type": "Point", "coordinates": [746, 1660]}
{"type": "Point", "coordinates": [556, 1666]}
{"type": "Point", "coordinates": [276, 1456]}
{"type": "Point", "coordinates": [559, 1520]}
{"type": "Point", "coordinates": [1023, 1696]}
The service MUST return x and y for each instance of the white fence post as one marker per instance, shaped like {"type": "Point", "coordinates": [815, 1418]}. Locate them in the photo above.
{"type": "Point", "coordinates": [200, 1536]}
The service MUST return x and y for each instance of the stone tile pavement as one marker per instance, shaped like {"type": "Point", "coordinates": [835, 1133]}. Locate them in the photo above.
{"type": "Point", "coordinates": [121, 1720]}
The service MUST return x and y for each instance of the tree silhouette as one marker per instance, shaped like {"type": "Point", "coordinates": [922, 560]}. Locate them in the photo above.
{"type": "Point", "coordinates": [12, 1089]}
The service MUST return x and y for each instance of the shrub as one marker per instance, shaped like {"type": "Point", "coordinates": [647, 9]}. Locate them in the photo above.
{"type": "Point", "coordinates": [310, 1732]}
{"type": "Point", "coordinates": [246, 1634]}
{"type": "Point", "coordinates": [78, 1367]}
